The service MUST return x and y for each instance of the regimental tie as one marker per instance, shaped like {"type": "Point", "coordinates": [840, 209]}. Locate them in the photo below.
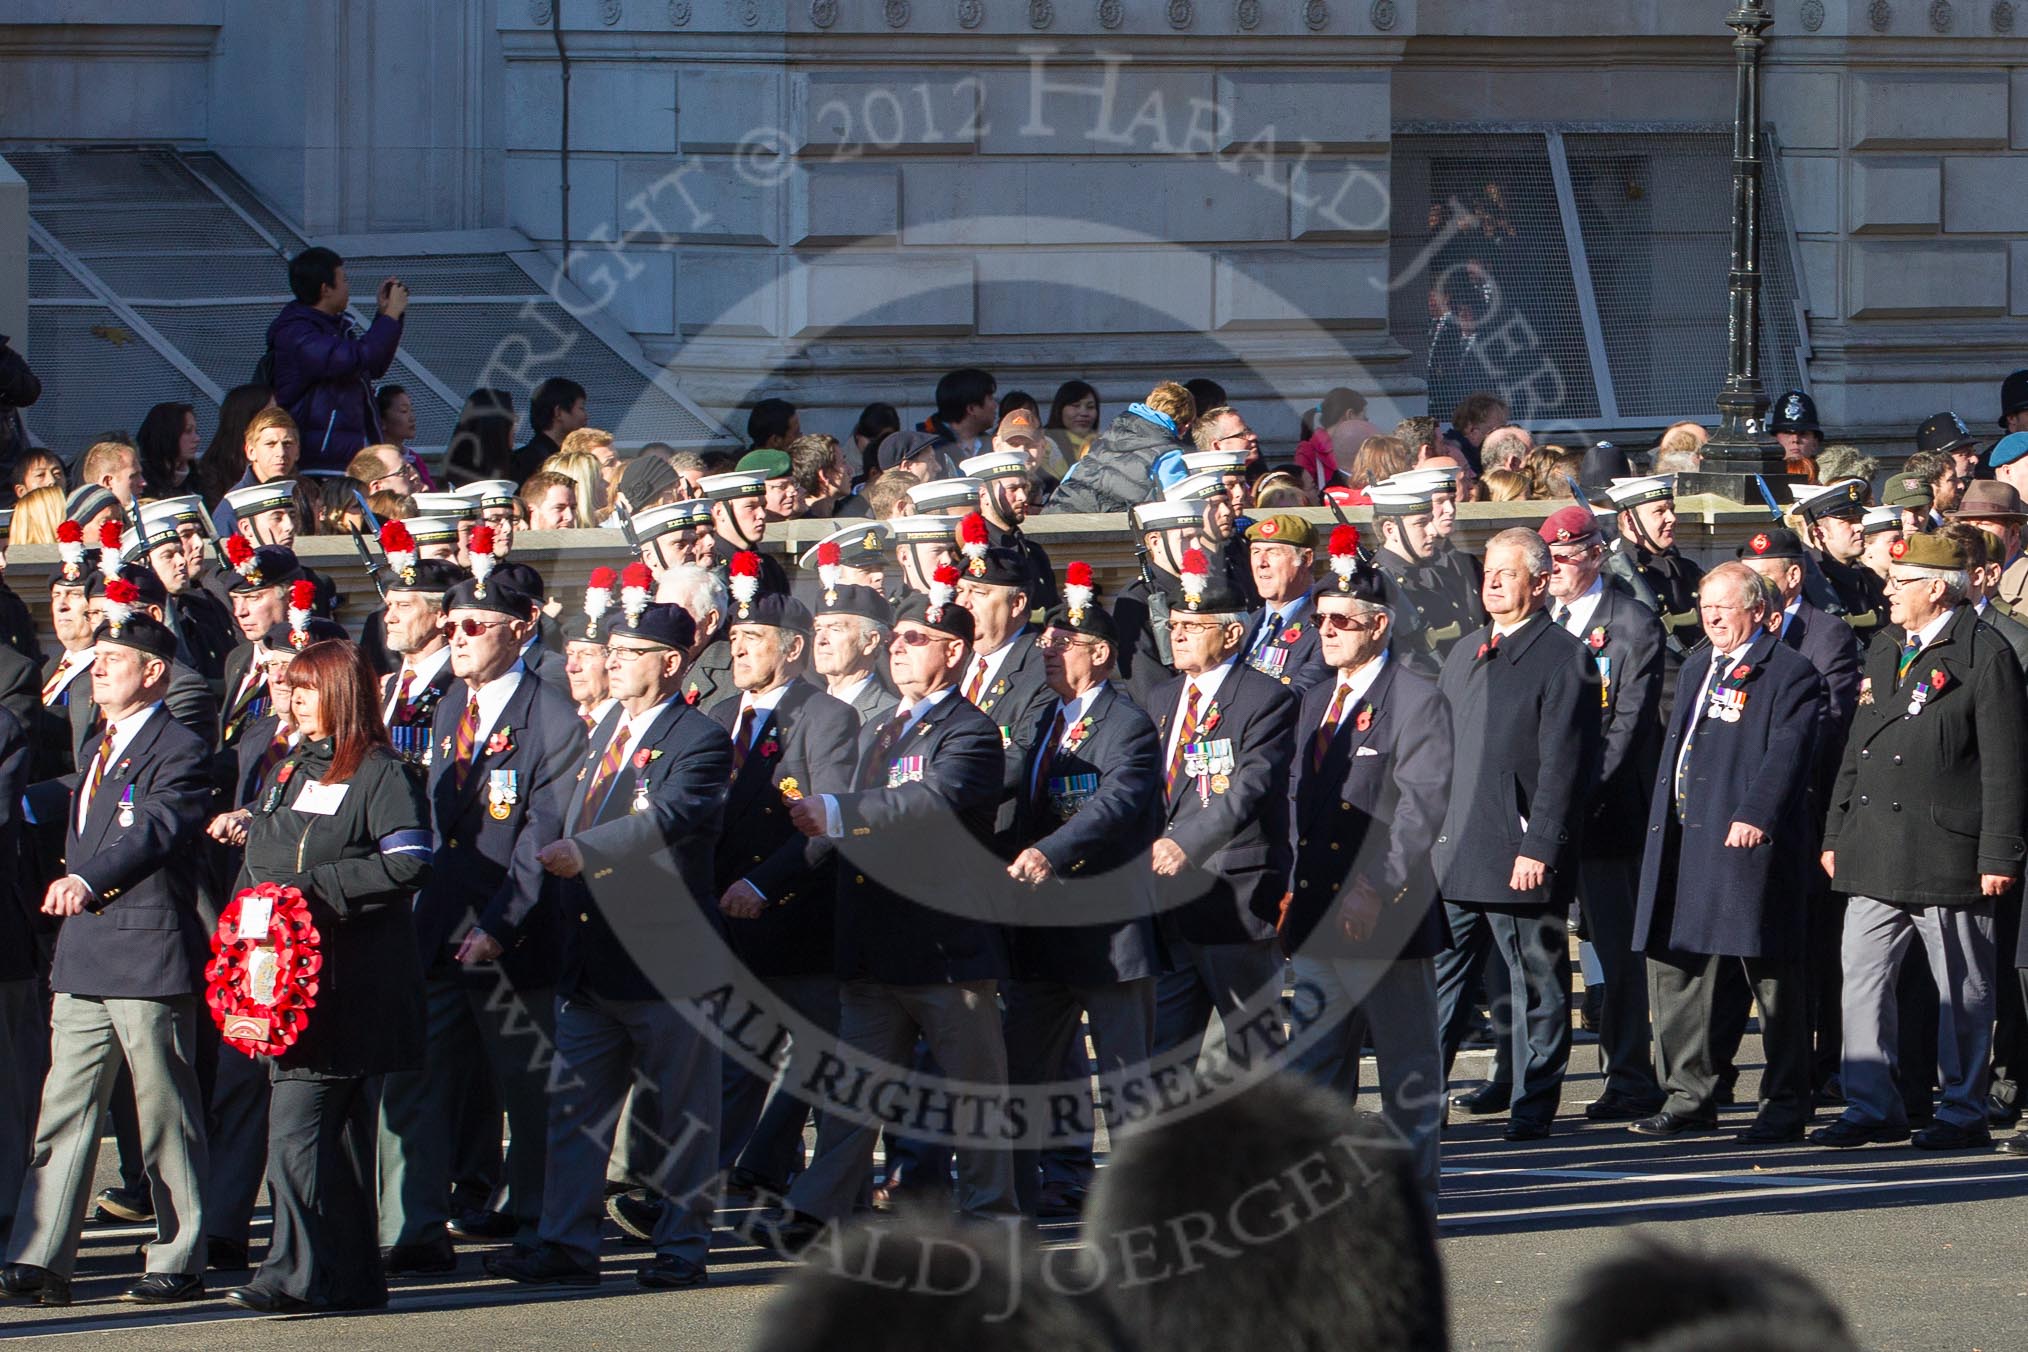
{"type": "Point", "coordinates": [1328, 729]}
{"type": "Point", "coordinates": [1721, 669]}
{"type": "Point", "coordinates": [742, 738]}
{"type": "Point", "coordinates": [1185, 730]}
{"type": "Point", "coordinates": [602, 778]}
{"type": "Point", "coordinates": [243, 703]}
{"type": "Point", "coordinates": [468, 739]}
{"type": "Point", "coordinates": [1561, 615]}
{"type": "Point", "coordinates": [99, 766]}
{"type": "Point", "coordinates": [974, 686]}
{"type": "Point", "coordinates": [1047, 757]}
{"type": "Point", "coordinates": [1909, 652]}
{"type": "Point", "coordinates": [876, 756]}
{"type": "Point", "coordinates": [1270, 625]}
{"type": "Point", "coordinates": [401, 692]}
{"type": "Point", "coordinates": [277, 750]}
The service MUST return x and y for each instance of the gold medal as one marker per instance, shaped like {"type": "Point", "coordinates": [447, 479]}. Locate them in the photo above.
{"type": "Point", "coordinates": [1219, 783]}
{"type": "Point", "coordinates": [498, 810]}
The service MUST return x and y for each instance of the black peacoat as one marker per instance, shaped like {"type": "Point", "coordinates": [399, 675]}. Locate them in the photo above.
{"type": "Point", "coordinates": [1927, 801]}
{"type": "Point", "coordinates": [1698, 895]}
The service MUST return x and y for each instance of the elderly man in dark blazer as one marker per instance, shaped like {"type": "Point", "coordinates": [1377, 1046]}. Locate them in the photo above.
{"type": "Point", "coordinates": [1924, 834]}
{"type": "Point", "coordinates": [1524, 702]}
{"type": "Point", "coordinates": [1729, 838]}
{"type": "Point", "coordinates": [789, 740]}
{"type": "Point", "coordinates": [1281, 639]}
{"type": "Point", "coordinates": [1004, 676]}
{"type": "Point", "coordinates": [126, 975]}
{"type": "Point", "coordinates": [918, 951]}
{"type": "Point", "coordinates": [631, 875]}
{"type": "Point", "coordinates": [1089, 808]}
{"type": "Point", "coordinates": [1222, 861]}
{"type": "Point", "coordinates": [1626, 642]}
{"type": "Point", "coordinates": [505, 746]}
{"type": "Point", "coordinates": [1363, 925]}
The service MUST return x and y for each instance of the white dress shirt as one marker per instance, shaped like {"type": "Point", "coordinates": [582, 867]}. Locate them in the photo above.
{"type": "Point", "coordinates": [993, 662]}
{"type": "Point", "coordinates": [68, 668]}
{"type": "Point", "coordinates": [1207, 686]}
{"type": "Point", "coordinates": [834, 824]}
{"type": "Point", "coordinates": [1581, 608]}
{"type": "Point", "coordinates": [1071, 712]}
{"type": "Point", "coordinates": [493, 697]}
{"type": "Point", "coordinates": [628, 733]}
{"type": "Point", "coordinates": [123, 736]}
{"type": "Point", "coordinates": [762, 706]}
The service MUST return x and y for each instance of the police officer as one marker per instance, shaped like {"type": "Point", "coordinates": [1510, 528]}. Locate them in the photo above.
{"type": "Point", "coordinates": [1793, 420]}
{"type": "Point", "coordinates": [1946, 432]}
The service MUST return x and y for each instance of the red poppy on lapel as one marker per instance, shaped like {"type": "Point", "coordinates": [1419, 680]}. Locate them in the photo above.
{"type": "Point", "coordinates": [1365, 719]}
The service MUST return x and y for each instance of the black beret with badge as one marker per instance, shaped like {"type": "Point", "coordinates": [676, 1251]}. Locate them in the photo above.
{"type": "Point", "coordinates": [849, 598]}
{"type": "Point", "coordinates": [1079, 611]}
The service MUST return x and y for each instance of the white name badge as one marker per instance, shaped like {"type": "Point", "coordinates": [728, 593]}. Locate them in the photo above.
{"type": "Point", "coordinates": [320, 799]}
{"type": "Point", "coordinates": [254, 914]}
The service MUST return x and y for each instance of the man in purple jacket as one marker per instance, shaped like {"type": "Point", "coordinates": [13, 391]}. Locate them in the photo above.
{"type": "Point", "coordinates": [323, 367]}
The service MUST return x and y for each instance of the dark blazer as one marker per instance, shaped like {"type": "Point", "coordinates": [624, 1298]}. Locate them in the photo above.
{"type": "Point", "coordinates": [916, 864]}
{"type": "Point", "coordinates": [1371, 809]}
{"type": "Point", "coordinates": [412, 728]}
{"type": "Point", "coordinates": [546, 665]}
{"type": "Point", "coordinates": [1697, 895]}
{"type": "Point", "coordinates": [1012, 700]}
{"type": "Point", "coordinates": [1524, 719]}
{"type": "Point", "coordinates": [358, 867]}
{"type": "Point", "coordinates": [1098, 850]}
{"type": "Point", "coordinates": [1237, 841]}
{"type": "Point", "coordinates": [140, 936]}
{"type": "Point", "coordinates": [486, 872]}
{"type": "Point", "coordinates": [641, 921]}
{"type": "Point", "coordinates": [1833, 648]}
{"type": "Point", "coordinates": [20, 685]}
{"type": "Point", "coordinates": [1625, 640]}
{"type": "Point", "coordinates": [1925, 803]}
{"type": "Point", "coordinates": [236, 663]}
{"type": "Point", "coordinates": [2010, 627]}
{"type": "Point", "coordinates": [875, 702]}
{"type": "Point", "coordinates": [708, 681]}
{"type": "Point", "coordinates": [20, 900]}
{"type": "Point", "coordinates": [815, 750]}
{"type": "Point", "coordinates": [207, 633]}
{"type": "Point", "coordinates": [1295, 655]}
{"type": "Point", "coordinates": [51, 731]}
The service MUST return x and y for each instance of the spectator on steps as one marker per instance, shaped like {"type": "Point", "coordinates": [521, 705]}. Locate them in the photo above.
{"type": "Point", "coordinates": [322, 368]}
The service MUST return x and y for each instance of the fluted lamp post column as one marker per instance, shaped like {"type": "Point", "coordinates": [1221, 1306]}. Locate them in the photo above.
{"type": "Point", "coordinates": [1742, 446]}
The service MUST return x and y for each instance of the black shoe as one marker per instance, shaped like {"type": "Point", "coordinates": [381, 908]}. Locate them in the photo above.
{"type": "Point", "coordinates": [1526, 1131]}
{"type": "Point", "coordinates": [1666, 1123]}
{"type": "Point", "coordinates": [423, 1255]}
{"type": "Point", "coordinates": [1844, 1135]}
{"type": "Point", "coordinates": [225, 1255]}
{"type": "Point", "coordinates": [483, 1226]}
{"type": "Point", "coordinates": [165, 1288]}
{"type": "Point", "coordinates": [1487, 1098]}
{"type": "Point", "coordinates": [744, 1185]}
{"type": "Point", "coordinates": [546, 1265]}
{"type": "Point", "coordinates": [636, 1214]}
{"type": "Point", "coordinates": [263, 1301]}
{"type": "Point", "coordinates": [670, 1273]}
{"type": "Point", "coordinates": [2017, 1144]}
{"type": "Point", "coordinates": [1723, 1096]}
{"type": "Point", "coordinates": [788, 1232]}
{"type": "Point", "coordinates": [1772, 1133]}
{"type": "Point", "coordinates": [1059, 1203]}
{"type": "Point", "coordinates": [1951, 1136]}
{"type": "Point", "coordinates": [25, 1280]}
{"type": "Point", "coordinates": [125, 1206]}
{"type": "Point", "coordinates": [1613, 1107]}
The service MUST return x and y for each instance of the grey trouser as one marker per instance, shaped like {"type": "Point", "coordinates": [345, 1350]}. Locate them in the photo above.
{"type": "Point", "coordinates": [1958, 941]}
{"type": "Point", "coordinates": [1395, 1001]}
{"type": "Point", "coordinates": [89, 1038]}
{"type": "Point", "coordinates": [763, 1123]}
{"type": "Point", "coordinates": [961, 1023]}
{"type": "Point", "coordinates": [1042, 1019]}
{"type": "Point", "coordinates": [1235, 979]}
{"type": "Point", "coordinates": [602, 1047]}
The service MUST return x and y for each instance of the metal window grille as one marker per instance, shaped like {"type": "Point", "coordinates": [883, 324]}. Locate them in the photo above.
{"type": "Point", "coordinates": [154, 274]}
{"type": "Point", "coordinates": [1596, 260]}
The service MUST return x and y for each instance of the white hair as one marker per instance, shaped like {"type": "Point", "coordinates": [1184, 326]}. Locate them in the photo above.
{"type": "Point", "coordinates": [695, 588]}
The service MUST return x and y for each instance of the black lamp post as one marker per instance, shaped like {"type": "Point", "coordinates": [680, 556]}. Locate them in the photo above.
{"type": "Point", "coordinates": [1742, 447]}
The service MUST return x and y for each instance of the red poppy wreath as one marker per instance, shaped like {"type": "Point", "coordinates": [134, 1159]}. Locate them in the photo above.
{"type": "Point", "coordinates": [261, 988]}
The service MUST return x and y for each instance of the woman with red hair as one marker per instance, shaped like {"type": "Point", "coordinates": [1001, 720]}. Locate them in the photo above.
{"type": "Point", "coordinates": [343, 820]}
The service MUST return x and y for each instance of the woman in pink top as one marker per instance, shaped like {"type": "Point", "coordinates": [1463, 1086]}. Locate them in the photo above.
{"type": "Point", "coordinates": [1340, 422]}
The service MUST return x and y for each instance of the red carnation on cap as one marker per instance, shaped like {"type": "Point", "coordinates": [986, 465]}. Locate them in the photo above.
{"type": "Point", "coordinates": [827, 554]}
{"type": "Point", "coordinates": [482, 540]}
{"type": "Point", "coordinates": [237, 550]}
{"type": "Point", "coordinates": [603, 578]}
{"type": "Point", "coordinates": [109, 536]}
{"type": "Point", "coordinates": [746, 563]}
{"type": "Point", "coordinates": [1078, 575]}
{"type": "Point", "coordinates": [745, 572]}
{"type": "Point", "coordinates": [394, 536]}
{"type": "Point", "coordinates": [69, 533]}
{"type": "Point", "coordinates": [636, 584]}
{"type": "Point", "coordinates": [122, 592]}
{"type": "Point", "coordinates": [946, 576]}
{"type": "Point", "coordinates": [1077, 590]}
{"type": "Point", "coordinates": [637, 575]}
{"type": "Point", "coordinates": [302, 594]}
{"type": "Point", "coordinates": [1195, 562]}
{"type": "Point", "coordinates": [1345, 540]}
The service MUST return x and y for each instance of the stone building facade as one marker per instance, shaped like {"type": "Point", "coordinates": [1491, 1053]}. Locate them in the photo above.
{"type": "Point", "coordinates": [836, 200]}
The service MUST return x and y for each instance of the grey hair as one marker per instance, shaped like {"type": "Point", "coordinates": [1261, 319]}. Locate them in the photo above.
{"type": "Point", "coordinates": [1679, 460]}
{"type": "Point", "coordinates": [1534, 553]}
{"type": "Point", "coordinates": [1748, 586]}
{"type": "Point", "coordinates": [871, 629]}
{"type": "Point", "coordinates": [1957, 582]}
{"type": "Point", "coordinates": [695, 588]}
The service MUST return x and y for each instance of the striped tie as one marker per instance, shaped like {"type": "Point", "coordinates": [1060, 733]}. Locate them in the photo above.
{"type": "Point", "coordinates": [276, 751]}
{"type": "Point", "coordinates": [1047, 757]}
{"type": "Point", "coordinates": [742, 739]}
{"type": "Point", "coordinates": [609, 765]}
{"type": "Point", "coordinates": [100, 765]}
{"type": "Point", "coordinates": [468, 738]}
{"type": "Point", "coordinates": [1909, 652]}
{"type": "Point", "coordinates": [242, 709]}
{"type": "Point", "coordinates": [972, 687]}
{"type": "Point", "coordinates": [401, 694]}
{"type": "Point", "coordinates": [1328, 729]}
{"type": "Point", "coordinates": [1184, 732]}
